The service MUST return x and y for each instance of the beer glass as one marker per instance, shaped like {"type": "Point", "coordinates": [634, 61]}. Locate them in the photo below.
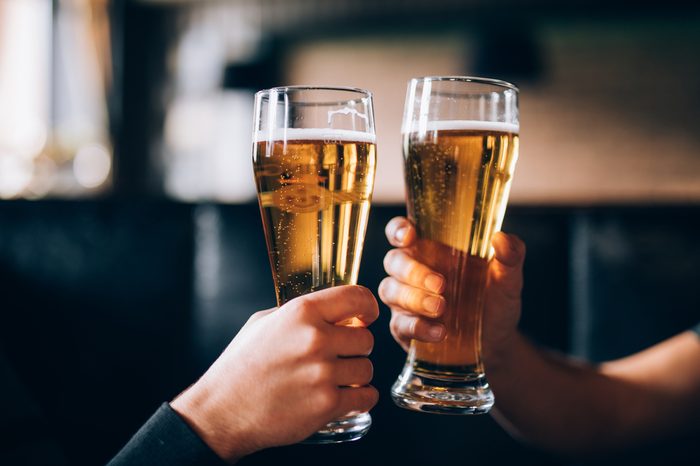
{"type": "Point", "coordinates": [314, 160]}
{"type": "Point", "coordinates": [460, 144]}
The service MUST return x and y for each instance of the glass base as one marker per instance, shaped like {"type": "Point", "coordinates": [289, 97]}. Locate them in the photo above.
{"type": "Point", "coordinates": [346, 429]}
{"type": "Point", "coordinates": [442, 392]}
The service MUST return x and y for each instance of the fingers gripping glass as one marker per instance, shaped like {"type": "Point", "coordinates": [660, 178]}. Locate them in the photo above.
{"type": "Point", "coordinates": [460, 140]}
{"type": "Point", "coordinates": [314, 159]}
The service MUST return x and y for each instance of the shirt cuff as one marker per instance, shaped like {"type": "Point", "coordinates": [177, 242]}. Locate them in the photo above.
{"type": "Point", "coordinates": [165, 439]}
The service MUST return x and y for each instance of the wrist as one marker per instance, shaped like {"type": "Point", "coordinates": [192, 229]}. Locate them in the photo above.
{"type": "Point", "coordinates": [502, 355]}
{"type": "Point", "coordinates": [209, 419]}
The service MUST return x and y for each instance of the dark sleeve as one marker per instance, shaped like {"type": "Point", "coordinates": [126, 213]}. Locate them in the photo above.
{"type": "Point", "coordinates": [165, 439]}
{"type": "Point", "coordinates": [26, 437]}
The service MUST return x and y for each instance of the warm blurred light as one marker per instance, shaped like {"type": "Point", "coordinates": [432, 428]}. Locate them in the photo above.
{"type": "Point", "coordinates": [79, 100]}
{"type": "Point", "coordinates": [25, 28]}
{"type": "Point", "coordinates": [25, 135]}
{"type": "Point", "coordinates": [91, 165]}
{"type": "Point", "coordinates": [54, 74]}
{"type": "Point", "coordinates": [44, 177]}
{"type": "Point", "coordinates": [15, 174]}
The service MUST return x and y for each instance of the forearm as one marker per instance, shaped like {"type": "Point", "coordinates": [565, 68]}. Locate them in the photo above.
{"type": "Point", "coordinates": [668, 377]}
{"type": "Point", "coordinates": [570, 407]}
{"type": "Point", "coordinates": [547, 401]}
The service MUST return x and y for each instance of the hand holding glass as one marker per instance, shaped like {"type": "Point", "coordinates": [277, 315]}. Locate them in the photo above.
{"type": "Point", "coordinates": [314, 159]}
{"type": "Point", "coordinates": [460, 140]}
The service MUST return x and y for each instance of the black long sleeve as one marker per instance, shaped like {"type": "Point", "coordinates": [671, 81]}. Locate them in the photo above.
{"type": "Point", "coordinates": [165, 439]}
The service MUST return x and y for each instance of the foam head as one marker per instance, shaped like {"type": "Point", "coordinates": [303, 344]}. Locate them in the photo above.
{"type": "Point", "coordinates": [313, 134]}
{"type": "Point", "coordinates": [463, 125]}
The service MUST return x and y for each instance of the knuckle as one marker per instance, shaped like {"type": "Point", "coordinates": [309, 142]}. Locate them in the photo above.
{"type": "Point", "coordinates": [313, 341]}
{"type": "Point", "coordinates": [397, 318]}
{"type": "Point", "coordinates": [365, 294]}
{"type": "Point", "coordinates": [402, 325]}
{"type": "Point", "coordinates": [368, 343]}
{"type": "Point", "coordinates": [327, 399]}
{"type": "Point", "coordinates": [369, 399]}
{"type": "Point", "coordinates": [394, 324]}
{"type": "Point", "coordinates": [384, 289]}
{"type": "Point", "coordinates": [321, 374]}
{"type": "Point", "coordinates": [304, 307]}
{"type": "Point", "coordinates": [255, 316]}
{"type": "Point", "coordinates": [374, 397]}
{"type": "Point", "coordinates": [390, 259]}
{"type": "Point", "coordinates": [367, 371]}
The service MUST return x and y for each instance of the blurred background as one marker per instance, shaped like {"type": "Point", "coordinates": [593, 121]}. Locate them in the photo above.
{"type": "Point", "coordinates": [131, 248]}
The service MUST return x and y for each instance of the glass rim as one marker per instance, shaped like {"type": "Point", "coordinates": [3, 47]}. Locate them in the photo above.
{"type": "Point", "coordinates": [469, 79]}
{"type": "Point", "coordinates": [356, 90]}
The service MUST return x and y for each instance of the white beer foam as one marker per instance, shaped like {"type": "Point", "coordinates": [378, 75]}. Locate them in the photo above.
{"type": "Point", "coordinates": [465, 125]}
{"type": "Point", "coordinates": [313, 134]}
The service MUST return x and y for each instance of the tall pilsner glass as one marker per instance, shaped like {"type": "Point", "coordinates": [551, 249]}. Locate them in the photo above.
{"type": "Point", "coordinates": [460, 143]}
{"type": "Point", "coordinates": [314, 159]}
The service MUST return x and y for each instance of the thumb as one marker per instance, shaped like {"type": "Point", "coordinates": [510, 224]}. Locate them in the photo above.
{"type": "Point", "coordinates": [506, 268]}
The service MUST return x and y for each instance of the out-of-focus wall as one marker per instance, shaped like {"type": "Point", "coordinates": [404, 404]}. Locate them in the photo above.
{"type": "Point", "coordinates": [613, 118]}
{"type": "Point", "coordinates": [384, 66]}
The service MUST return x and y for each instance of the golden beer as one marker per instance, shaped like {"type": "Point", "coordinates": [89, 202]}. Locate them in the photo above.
{"type": "Point", "coordinates": [314, 160]}
{"type": "Point", "coordinates": [458, 177]}
{"type": "Point", "coordinates": [314, 189]}
{"type": "Point", "coordinates": [460, 137]}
